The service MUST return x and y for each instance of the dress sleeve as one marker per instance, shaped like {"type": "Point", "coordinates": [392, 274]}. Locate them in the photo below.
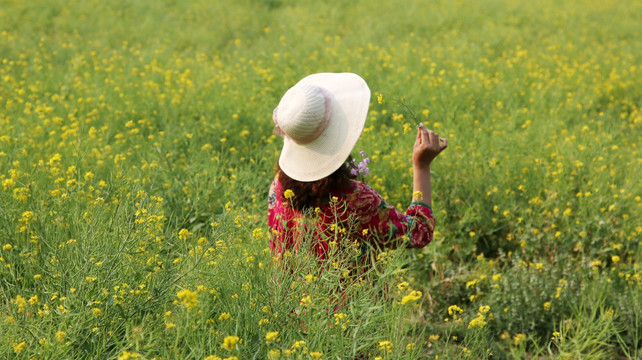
{"type": "Point", "coordinates": [389, 227]}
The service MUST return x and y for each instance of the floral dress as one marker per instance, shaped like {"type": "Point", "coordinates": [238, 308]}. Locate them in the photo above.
{"type": "Point", "coordinates": [355, 213]}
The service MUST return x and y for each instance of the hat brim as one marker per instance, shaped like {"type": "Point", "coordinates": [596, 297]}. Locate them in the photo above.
{"type": "Point", "coordinates": [324, 155]}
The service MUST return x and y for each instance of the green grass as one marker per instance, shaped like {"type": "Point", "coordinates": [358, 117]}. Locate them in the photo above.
{"type": "Point", "coordinates": [136, 151]}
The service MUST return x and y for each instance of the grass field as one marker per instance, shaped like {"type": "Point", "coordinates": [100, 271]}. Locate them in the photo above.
{"type": "Point", "coordinates": [136, 151]}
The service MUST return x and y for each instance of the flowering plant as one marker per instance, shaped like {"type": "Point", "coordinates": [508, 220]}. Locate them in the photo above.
{"type": "Point", "coordinates": [360, 170]}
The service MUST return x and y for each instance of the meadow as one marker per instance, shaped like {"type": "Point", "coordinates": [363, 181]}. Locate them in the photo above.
{"type": "Point", "coordinates": [136, 152]}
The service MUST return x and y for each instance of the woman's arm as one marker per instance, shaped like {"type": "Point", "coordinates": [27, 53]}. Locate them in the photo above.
{"type": "Point", "coordinates": [391, 224]}
{"type": "Point", "coordinates": [386, 225]}
{"type": "Point", "coordinates": [427, 146]}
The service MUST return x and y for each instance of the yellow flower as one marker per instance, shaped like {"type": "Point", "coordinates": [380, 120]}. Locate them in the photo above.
{"type": "Point", "coordinates": [97, 311]}
{"type": "Point", "coordinates": [61, 335]}
{"type": "Point", "coordinates": [8, 184]}
{"type": "Point", "coordinates": [126, 355]}
{"type": "Point", "coordinates": [26, 217]}
{"type": "Point", "coordinates": [288, 194]}
{"type": "Point", "coordinates": [184, 234]}
{"type": "Point", "coordinates": [17, 348]}
{"type": "Point", "coordinates": [386, 346]}
{"type": "Point", "coordinates": [452, 309]}
{"type": "Point", "coordinates": [484, 309]}
{"type": "Point", "coordinates": [274, 354]}
{"type": "Point", "coordinates": [306, 301]}
{"type": "Point", "coordinates": [316, 354]}
{"type": "Point", "coordinates": [224, 316]}
{"type": "Point", "coordinates": [547, 305]}
{"type": "Point", "coordinates": [615, 259]}
{"type": "Point", "coordinates": [188, 298]}
{"type": "Point", "coordinates": [271, 335]}
{"type": "Point", "coordinates": [433, 337]}
{"type": "Point", "coordinates": [380, 99]}
{"type": "Point", "coordinates": [230, 341]}
{"type": "Point", "coordinates": [212, 357]}
{"type": "Point", "coordinates": [413, 296]}
{"type": "Point", "coordinates": [21, 302]}
{"type": "Point", "coordinates": [479, 321]}
{"type": "Point", "coordinates": [517, 339]}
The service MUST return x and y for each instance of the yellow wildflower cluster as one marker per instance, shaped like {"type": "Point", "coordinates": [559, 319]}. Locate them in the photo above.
{"type": "Point", "coordinates": [229, 343]}
{"type": "Point", "coordinates": [411, 297]}
{"type": "Point", "coordinates": [288, 194]}
{"type": "Point", "coordinates": [386, 346]}
{"type": "Point", "coordinates": [188, 298]}
{"type": "Point", "coordinates": [271, 336]}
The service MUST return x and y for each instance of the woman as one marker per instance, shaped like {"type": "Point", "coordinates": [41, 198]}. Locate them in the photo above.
{"type": "Point", "coordinates": [321, 119]}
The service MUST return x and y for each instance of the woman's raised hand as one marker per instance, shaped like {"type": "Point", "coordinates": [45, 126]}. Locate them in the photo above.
{"type": "Point", "coordinates": [427, 146]}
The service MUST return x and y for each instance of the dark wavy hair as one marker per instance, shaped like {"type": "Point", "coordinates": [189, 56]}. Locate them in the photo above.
{"type": "Point", "coordinates": [309, 195]}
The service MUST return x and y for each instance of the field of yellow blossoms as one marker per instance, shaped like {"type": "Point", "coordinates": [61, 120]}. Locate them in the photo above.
{"type": "Point", "coordinates": [136, 151]}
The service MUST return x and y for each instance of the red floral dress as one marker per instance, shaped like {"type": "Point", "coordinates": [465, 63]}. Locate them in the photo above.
{"type": "Point", "coordinates": [356, 213]}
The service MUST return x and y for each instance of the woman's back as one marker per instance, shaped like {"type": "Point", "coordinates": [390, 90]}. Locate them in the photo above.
{"type": "Point", "coordinates": [354, 212]}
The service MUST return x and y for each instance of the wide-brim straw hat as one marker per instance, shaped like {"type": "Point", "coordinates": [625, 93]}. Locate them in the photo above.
{"type": "Point", "coordinates": [321, 119]}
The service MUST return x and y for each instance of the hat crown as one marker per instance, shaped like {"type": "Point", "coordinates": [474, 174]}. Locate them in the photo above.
{"type": "Point", "coordinates": [304, 112]}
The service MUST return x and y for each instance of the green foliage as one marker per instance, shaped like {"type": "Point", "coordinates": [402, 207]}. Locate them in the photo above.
{"type": "Point", "coordinates": [136, 151]}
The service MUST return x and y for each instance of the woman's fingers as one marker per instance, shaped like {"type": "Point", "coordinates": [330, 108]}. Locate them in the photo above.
{"type": "Point", "coordinates": [444, 143]}
{"type": "Point", "coordinates": [424, 136]}
{"type": "Point", "coordinates": [434, 138]}
{"type": "Point", "coordinates": [430, 138]}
